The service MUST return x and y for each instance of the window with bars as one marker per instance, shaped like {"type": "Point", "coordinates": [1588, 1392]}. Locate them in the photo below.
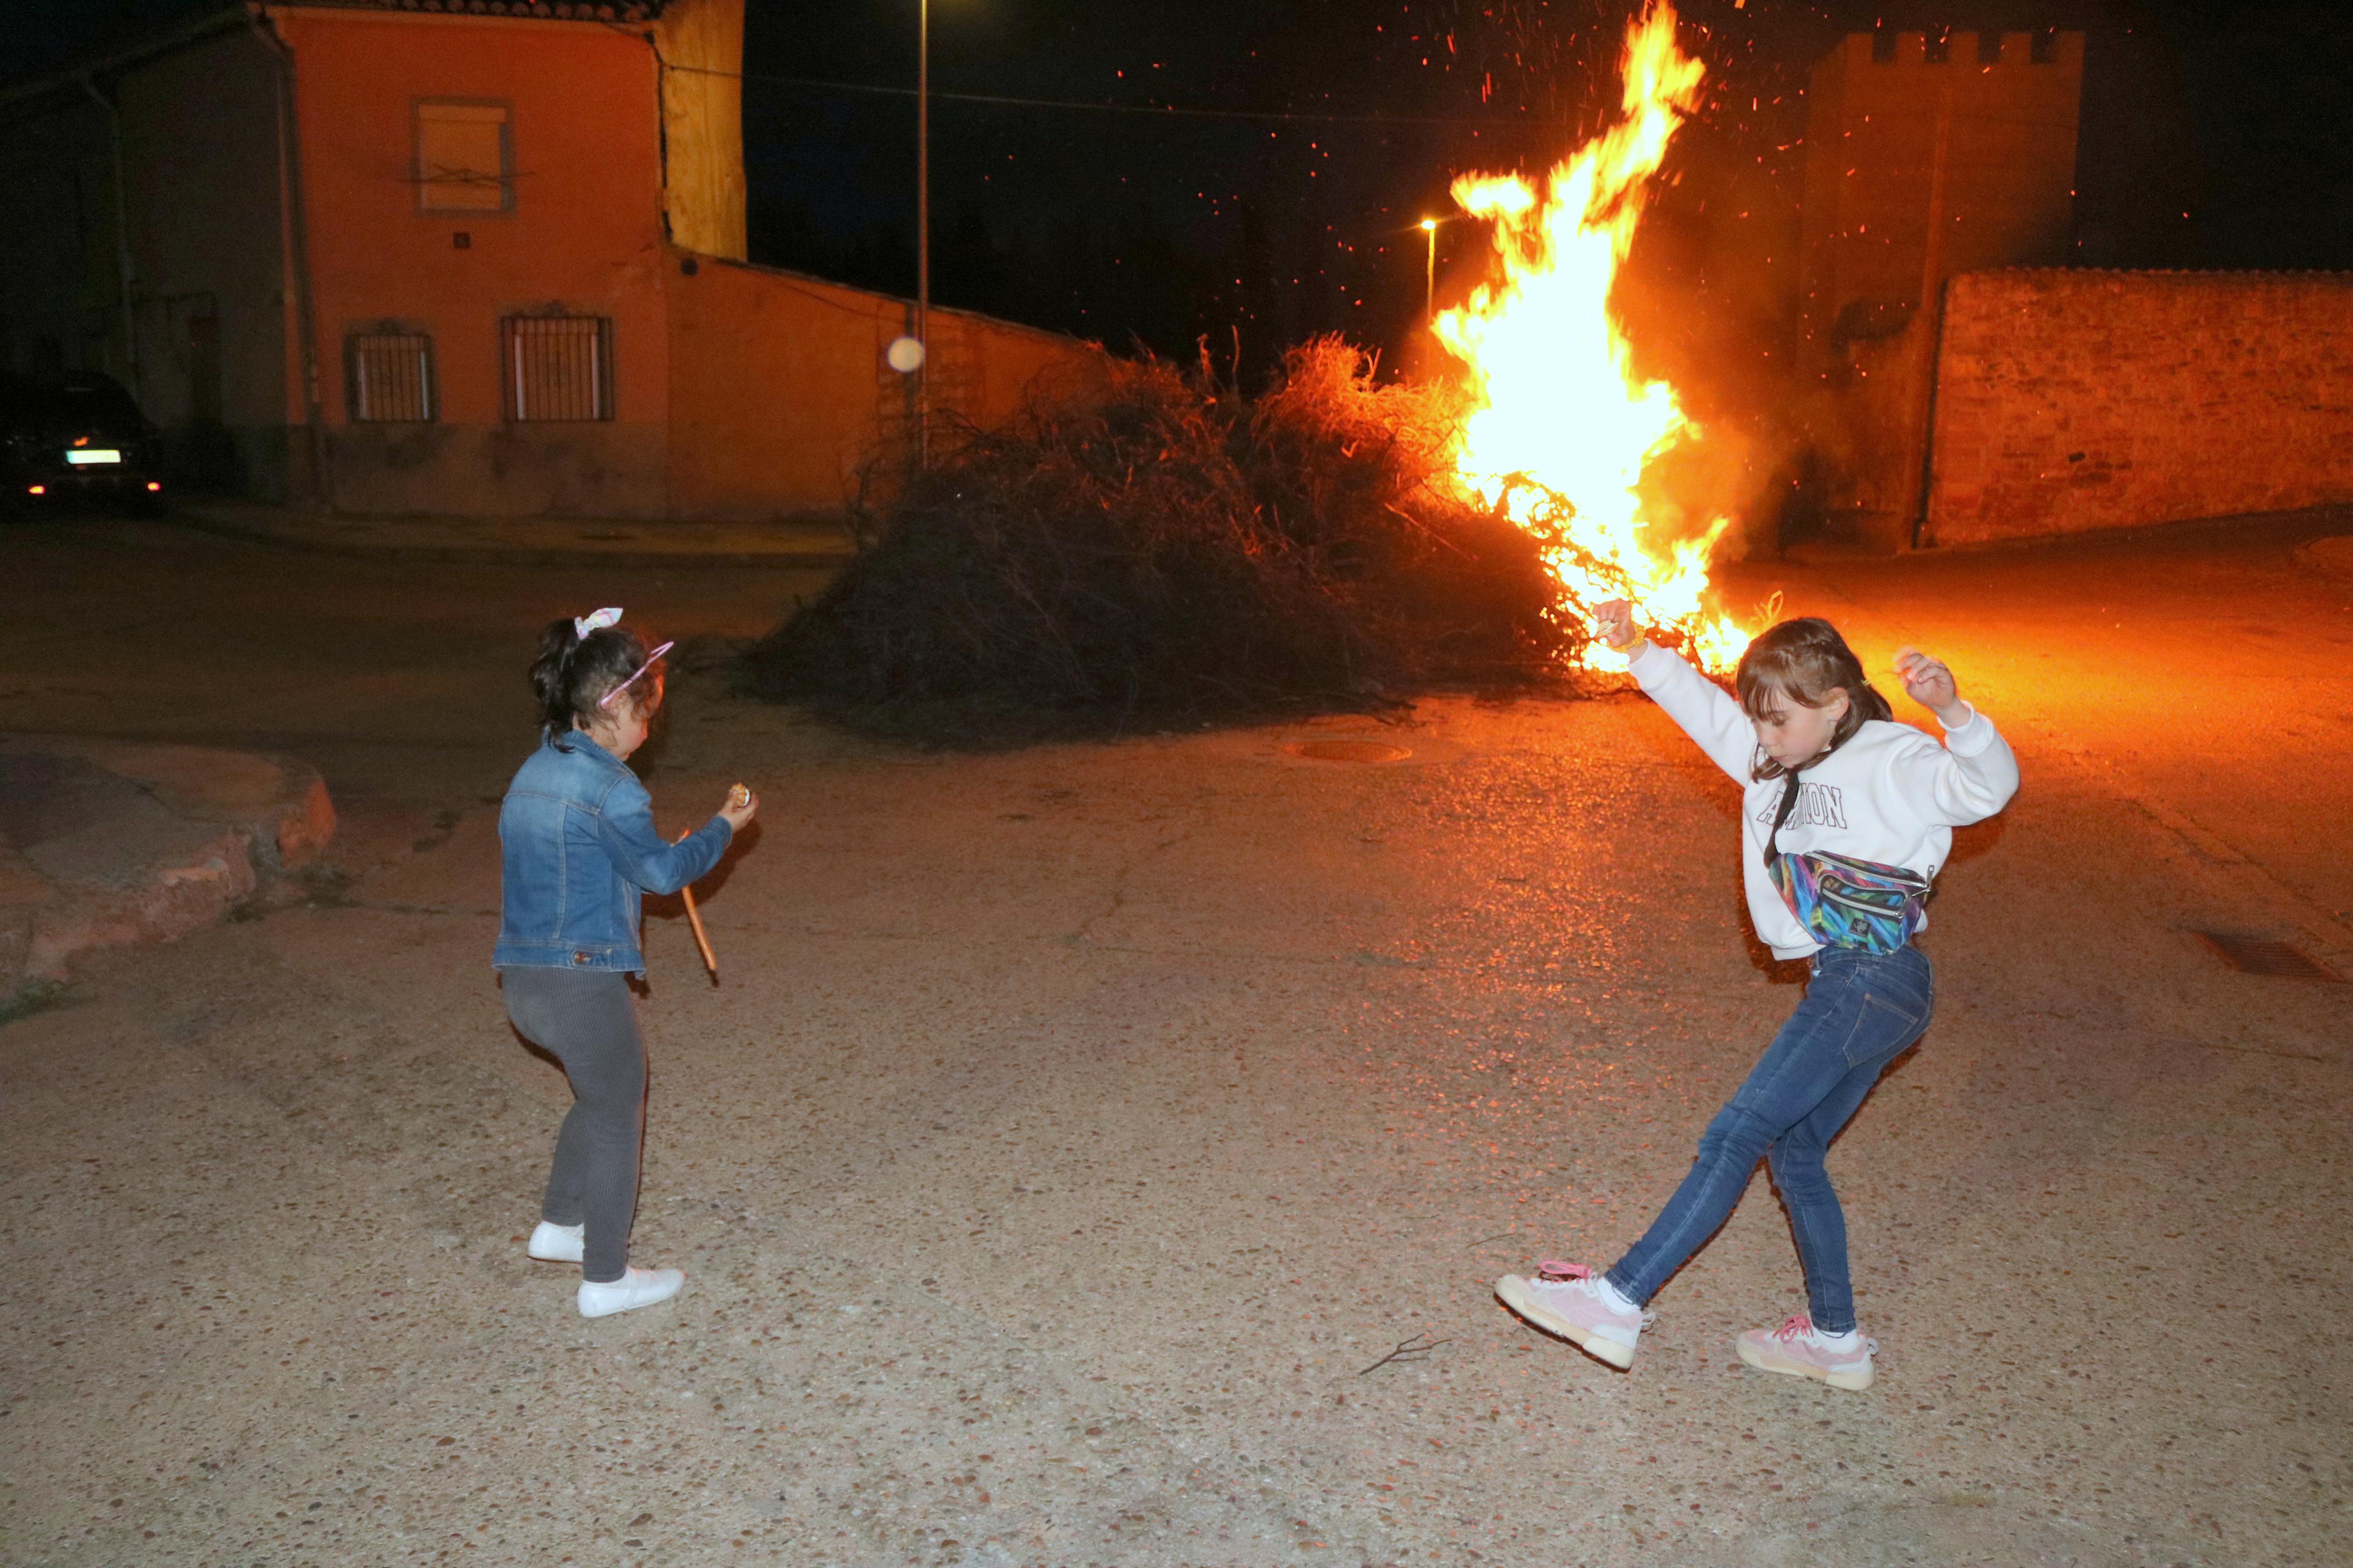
{"type": "Point", "coordinates": [557, 367]}
{"type": "Point", "coordinates": [390, 377]}
{"type": "Point", "coordinates": [465, 157]}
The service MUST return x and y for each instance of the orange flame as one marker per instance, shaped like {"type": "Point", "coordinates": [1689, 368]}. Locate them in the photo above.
{"type": "Point", "coordinates": [1561, 427]}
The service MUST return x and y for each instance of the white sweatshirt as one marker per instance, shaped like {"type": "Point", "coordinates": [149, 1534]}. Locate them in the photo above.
{"type": "Point", "coordinates": [1890, 794]}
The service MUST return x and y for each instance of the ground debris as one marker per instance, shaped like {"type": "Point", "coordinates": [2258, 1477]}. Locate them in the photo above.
{"type": "Point", "coordinates": [1418, 1348]}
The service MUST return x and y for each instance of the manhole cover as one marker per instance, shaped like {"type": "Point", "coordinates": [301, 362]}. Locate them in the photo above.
{"type": "Point", "coordinates": [2262, 955]}
{"type": "Point", "coordinates": [1348, 750]}
{"type": "Point", "coordinates": [2333, 555]}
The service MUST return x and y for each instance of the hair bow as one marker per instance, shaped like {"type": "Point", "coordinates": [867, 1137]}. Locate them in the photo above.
{"type": "Point", "coordinates": [583, 625]}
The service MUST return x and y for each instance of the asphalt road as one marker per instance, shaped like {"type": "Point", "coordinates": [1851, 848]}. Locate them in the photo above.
{"type": "Point", "coordinates": [1072, 1131]}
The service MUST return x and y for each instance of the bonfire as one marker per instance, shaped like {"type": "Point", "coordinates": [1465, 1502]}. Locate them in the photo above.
{"type": "Point", "coordinates": [1561, 427]}
{"type": "Point", "coordinates": [1161, 548]}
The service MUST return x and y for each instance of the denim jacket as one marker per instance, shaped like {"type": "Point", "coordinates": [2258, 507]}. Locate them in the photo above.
{"type": "Point", "coordinates": [578, 832]}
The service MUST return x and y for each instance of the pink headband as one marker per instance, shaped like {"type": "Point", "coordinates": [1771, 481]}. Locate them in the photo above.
{"type": "Point", "coordinates": [607, 701]}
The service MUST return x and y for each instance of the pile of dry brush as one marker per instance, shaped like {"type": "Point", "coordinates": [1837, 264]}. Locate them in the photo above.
{"type": "Point", "coordinates": [1163, 550]}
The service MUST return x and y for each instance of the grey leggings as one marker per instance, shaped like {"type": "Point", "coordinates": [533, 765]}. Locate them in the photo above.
{"type": "Point", "coordinates": [587, 1021]}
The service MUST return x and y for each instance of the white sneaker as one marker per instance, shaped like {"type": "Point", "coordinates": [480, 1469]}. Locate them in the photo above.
{"type": "Point", "coordinates": [1567, 1299]}
{"type": "Point", "coordinates": [554, 1242]}
{"type": "Point", "coordinates": [1798, 1349]}
{"type": "Point", "coordinates": [638, 1287]}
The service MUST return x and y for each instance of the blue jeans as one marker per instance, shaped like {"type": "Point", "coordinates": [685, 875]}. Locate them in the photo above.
{"type": "Point", "coordinates": [1862, 1010]}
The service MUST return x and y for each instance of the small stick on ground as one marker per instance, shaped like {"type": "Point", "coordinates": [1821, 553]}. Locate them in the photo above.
{"type": "Point", "coordinates": [1415, 1348]}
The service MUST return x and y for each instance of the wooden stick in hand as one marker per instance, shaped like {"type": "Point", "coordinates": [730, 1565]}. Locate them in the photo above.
{"type": "Point", "coordinates": [739, 799]}
{"type": "Point", "coordinates": [701, 937]}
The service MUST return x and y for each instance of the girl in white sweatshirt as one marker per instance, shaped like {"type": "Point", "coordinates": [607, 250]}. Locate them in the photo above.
{"type": "Point", "coordinates": [1847, 818]}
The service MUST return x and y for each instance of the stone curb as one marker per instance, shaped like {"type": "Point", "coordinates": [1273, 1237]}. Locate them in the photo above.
{"type": "Point", "coordinates": [142, 843]}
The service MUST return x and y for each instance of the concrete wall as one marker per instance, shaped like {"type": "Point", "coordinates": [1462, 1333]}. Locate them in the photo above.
{"type": "Point", "coordinates": [2073, 401]}
{"type": "Point", "coordinates": [583, 236]}
{"type": "Point", "coordinates": [59, 285]}
{"type": "Point", "coordinates": [1918, 169]}
{"type": "Point", "coordinates": [780, 399]}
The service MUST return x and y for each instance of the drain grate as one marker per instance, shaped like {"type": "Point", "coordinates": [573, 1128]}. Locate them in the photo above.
{"type": "Point", "coordinates": [2262, 955]}
{"type": "Point", "coordinates": [1349, 751]}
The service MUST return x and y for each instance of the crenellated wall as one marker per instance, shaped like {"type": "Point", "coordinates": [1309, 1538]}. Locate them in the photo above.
{"type": "Point", "coordinates": [1925, 158]}
{"type": "Point", "coordinates": [2070, 401]}
{"type": "Point", "coordinates": [1920, 167]}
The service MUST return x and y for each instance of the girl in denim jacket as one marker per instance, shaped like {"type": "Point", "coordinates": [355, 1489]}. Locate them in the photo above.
{"type": "Point", "coordinates": [577, 832]}
{"type": "Point", "coordinates": [1847, 818]}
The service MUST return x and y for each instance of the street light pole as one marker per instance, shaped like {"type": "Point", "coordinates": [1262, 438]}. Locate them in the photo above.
{"type": "Point", "coordinates": [923, 227]}
{"type": "Point", "coordinates": [1429, 269]}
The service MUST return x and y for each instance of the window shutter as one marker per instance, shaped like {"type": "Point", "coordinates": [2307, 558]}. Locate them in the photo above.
{"type": "Point", "coordinates": [462, 158]}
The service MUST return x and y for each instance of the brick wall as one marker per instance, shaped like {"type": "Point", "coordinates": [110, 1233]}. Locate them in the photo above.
{"type": "Point", "coordinates": [2068, 401]}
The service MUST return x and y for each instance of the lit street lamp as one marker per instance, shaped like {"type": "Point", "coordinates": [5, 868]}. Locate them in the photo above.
{"type": "Point", "coordinates": [910, 353]}
{"type": "Point", "coordinates": [922, 226]}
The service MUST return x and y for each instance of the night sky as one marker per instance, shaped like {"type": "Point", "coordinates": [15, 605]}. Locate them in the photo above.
{"type": "Point", "coordinates": [1166, 228]}
{"type": "Point", "coordinates": [2215, 134]}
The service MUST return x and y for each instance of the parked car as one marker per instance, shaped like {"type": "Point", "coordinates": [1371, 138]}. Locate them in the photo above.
{"type": "Point", "coordinates": [76, 437]}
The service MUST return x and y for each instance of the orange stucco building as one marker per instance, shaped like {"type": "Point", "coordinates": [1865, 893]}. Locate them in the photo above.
{"type": "Point", "coordinates": [415, 257]}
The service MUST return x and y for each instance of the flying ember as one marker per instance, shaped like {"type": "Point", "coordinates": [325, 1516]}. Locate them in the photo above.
{"type": "Point", "coordinates": [1561, 426]}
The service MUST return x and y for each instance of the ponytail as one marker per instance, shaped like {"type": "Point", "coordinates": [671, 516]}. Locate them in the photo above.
{"type": "Point", "coordinates": [572, 671]}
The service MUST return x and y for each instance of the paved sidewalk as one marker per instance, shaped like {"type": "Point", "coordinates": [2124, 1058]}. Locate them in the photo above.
{"type": "Point", "coordinates": [529, 541]}
{"type": "Point", "coordinates": [115, 843]}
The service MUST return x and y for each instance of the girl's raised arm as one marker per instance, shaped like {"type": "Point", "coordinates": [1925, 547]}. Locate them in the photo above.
{"type": "Point", "coordinates": [1970, 777]}
{"type": "Point", "coordinates": [626, 826]}
{"type": "Point", "coordinates": [1704, 709]}
{"type": "Point", "coordinates": [1698, 704]}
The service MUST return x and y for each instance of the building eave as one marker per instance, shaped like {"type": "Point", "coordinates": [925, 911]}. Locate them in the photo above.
{"type": "Point", "coordinates": [165, 41]}
{"type": "Point", "coordinates": [234, 15]}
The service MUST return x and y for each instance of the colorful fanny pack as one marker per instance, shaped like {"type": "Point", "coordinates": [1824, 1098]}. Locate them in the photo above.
{"type": "Point", "coordinates": [1846, 902]}
{"type": "Point", "coordinates": [1852, 903]}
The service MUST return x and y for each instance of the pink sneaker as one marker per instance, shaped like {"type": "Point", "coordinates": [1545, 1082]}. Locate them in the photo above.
{"type": "Point", "coordinates": [1796, 1349]}
{"type": "Point", "coordinates": [1567, 1299]}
